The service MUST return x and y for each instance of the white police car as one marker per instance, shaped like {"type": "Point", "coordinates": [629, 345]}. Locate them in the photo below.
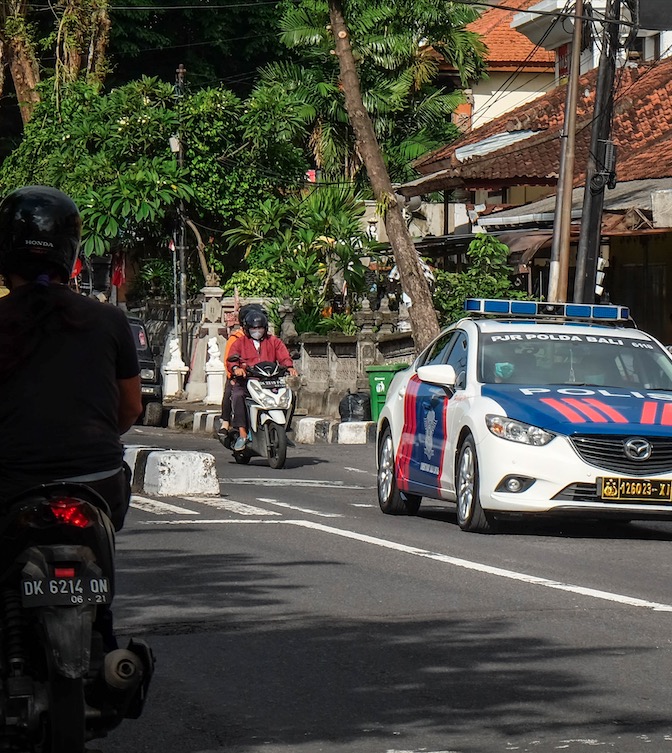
{"type": "Point", "coordinates": [531, 408]}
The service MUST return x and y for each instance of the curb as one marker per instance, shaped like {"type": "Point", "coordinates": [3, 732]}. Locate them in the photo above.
{"type": "Point", "coordinates": [307, 429]}
{"type": "Point", "coordinates": [171, 473]}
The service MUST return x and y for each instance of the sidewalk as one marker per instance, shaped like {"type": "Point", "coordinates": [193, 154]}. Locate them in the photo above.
{"type": "Point", "coordinates": [200, 419]}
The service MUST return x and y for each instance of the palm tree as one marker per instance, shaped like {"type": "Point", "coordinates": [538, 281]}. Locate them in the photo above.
{"type": "Point", "coordinates": [397, 46]}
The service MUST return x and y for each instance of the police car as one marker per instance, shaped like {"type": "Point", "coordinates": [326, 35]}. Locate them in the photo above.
{"type": "Point", "coordinates": [528, 408]}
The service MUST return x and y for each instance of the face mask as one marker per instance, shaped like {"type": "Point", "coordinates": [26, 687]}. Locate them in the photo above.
{"type": "Point", "coordinates": [504, 370]}
{"type": "Point", "coordinates": [257, 334]}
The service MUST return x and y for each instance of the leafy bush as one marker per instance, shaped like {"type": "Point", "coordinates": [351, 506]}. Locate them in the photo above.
{"type": "Point", "coordinates": [488, 276]}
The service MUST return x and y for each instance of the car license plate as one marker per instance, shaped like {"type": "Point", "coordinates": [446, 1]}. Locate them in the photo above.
{"type": "Point", "coordinates": [614, 489]}
{"type": "Point", "coordinates": [41, 592]}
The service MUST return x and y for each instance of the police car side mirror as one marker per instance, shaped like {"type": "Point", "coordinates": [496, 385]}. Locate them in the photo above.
{"type": "Point", "coordinates": [441, 374]}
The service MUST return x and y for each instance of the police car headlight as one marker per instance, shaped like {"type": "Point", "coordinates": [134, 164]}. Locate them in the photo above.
{"type": "Point", "coordinates": [517, 431]}
{"type": "Point", "coordinates": [147, 375]}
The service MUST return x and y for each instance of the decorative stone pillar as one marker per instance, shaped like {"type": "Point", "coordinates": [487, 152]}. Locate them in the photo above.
{"type": "Point", "coordinates": [174, 371]}
{"type": "Point", "coordinates": [404, 321]}
{"type": "Point", "coordinates": [211, 326]}
{"type": "Point", "coordinates": [364, 318]}
{"type": "Point", "coordinates": [214, 370]}
{"type": "Point", "coordinates": [287, 329]}
{"type": "Point", "coordinates": [385, 317]}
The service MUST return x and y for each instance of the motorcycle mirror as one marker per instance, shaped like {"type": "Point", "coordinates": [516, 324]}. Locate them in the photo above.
{"type": "Point", "coordinates": [295, 355]}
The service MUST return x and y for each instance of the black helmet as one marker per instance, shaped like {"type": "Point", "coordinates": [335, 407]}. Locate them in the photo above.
{"type": "Point", "coordinates": [255, 319]}
{"type": "Point", "coordinates": [40, 230]}
{"type": "Point", "coordinates": [245, 310]}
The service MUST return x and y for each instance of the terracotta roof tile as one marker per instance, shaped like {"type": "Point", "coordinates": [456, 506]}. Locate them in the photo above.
{"type": "Point", "coordinates": [506, 46]}
{"type": "Point", "coordinates": [642, 131]}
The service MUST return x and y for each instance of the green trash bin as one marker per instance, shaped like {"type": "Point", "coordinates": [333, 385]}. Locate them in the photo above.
{"type": "Point", "coordinates": [380, 378]}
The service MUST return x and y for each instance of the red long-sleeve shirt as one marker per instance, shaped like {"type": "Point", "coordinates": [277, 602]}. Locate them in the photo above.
{"type": "Point", "coordinates": [271, 349]}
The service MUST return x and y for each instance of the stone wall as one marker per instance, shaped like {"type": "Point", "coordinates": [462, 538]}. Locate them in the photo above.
{"type": "Point", "coordinates": [329, 365]}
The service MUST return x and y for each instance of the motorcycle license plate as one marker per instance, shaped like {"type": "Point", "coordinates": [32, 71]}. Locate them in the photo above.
{"type": "Point", "coordinates": [47, 592]}
{"type": "Point", "coordinates": [273, 383]}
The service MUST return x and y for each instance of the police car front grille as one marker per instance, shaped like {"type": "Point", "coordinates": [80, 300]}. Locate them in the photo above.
{"type": "Point", "coordinates": [577, 493]}
{"type": "Point", "coordinates": [607, 453]}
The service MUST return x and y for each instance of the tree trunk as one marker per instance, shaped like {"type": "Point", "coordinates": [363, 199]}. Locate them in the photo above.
{"type": "Point", "coordinates": [18, 53]}
{"type": "Point", "coordinates": [424, 323]}
{"type": "Point", "coordinates": [25, 74]}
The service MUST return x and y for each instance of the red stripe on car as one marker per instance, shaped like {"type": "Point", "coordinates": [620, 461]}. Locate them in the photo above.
{"type": "Point", "coordinates": [608, 411]}
{"type": "Point", "coordinates": [408, 433]}
{"type": "Point", "coordinates": [565, 410]}
{"type": "Point", "coordinates": [590, 413]}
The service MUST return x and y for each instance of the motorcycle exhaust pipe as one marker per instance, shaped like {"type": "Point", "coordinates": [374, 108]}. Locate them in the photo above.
{"type": "Point", "coordinates": [122, 669]}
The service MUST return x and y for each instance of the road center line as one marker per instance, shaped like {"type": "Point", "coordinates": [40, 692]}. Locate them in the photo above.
{"type": "Point", "coordinates": [438, 557]}
{"type": "Point", "coordinates": [307, 510]}
{"type": "Point", "coordinates": [478, 567]}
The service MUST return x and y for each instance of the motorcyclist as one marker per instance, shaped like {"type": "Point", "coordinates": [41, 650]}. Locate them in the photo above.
{"type": "Point", "coordinates": [68, 365]}
{"type": "Point", "coordinates": [258, 345]}
{"type": "Point", "coordinates": [236, 332]}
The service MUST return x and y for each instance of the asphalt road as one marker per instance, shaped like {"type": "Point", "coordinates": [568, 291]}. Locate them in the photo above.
{"type": "Point", "coordinates": [290, 615]}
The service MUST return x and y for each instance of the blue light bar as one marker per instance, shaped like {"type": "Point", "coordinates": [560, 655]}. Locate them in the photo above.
{"type": "Point", "coordinates": [543, 310]}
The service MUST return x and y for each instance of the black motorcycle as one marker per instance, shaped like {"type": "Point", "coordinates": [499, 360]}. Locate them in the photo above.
{"type": "Point", "coordinates": [64, 681]}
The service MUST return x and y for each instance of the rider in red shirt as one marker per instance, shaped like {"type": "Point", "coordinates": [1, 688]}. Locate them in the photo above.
{"type": "Point", "coordinates": [258, 345]}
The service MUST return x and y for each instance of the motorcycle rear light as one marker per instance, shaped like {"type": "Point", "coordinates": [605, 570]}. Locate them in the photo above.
{"type": "Point", "coordinates": [72, 512]}
{"type": "Point", "coordinates": [64, 572]}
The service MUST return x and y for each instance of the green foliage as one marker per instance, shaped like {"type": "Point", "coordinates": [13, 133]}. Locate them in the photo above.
{"type": "Point", "coordinates": [488, 276]}
{"type": "Point", "coordinates": [309, 242]}
{"type": "Point", "coordinates": [397, 69]}
{"type": "Point", "coordinates": [111, 153]}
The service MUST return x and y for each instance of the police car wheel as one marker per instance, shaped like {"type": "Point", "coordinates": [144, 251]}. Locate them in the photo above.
{"type": "Point", "coordinates": [390, 499]}
{"type": "Point", "coordinates": [470, 514]}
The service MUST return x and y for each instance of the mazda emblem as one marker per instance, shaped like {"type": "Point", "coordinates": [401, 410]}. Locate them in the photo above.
{"type": "Point", "coordinates": [637, 448]}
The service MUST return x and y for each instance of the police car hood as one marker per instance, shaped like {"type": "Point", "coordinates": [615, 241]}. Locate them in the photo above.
{"type": "Point", "coordinates": [564, 409]}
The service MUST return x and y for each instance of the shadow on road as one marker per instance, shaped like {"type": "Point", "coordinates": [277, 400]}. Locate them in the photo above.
{"type": "Point", "coordinates": [238, 667]}
{"type": "Point", "coordinates": [564, 527]}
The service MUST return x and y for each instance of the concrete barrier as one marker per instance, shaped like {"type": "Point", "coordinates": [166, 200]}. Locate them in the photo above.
{"type": "Point", "coordinates": [172, 473]}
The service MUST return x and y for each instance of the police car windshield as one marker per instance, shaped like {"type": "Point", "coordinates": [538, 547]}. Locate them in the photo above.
{"type": "Point", "coordinates": [538, 358]}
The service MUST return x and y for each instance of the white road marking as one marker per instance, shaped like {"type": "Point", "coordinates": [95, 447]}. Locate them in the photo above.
{"type": "Point", "coordinates": [230, 521]}
{"type": "Point", "coordinates": [291, 482]}
{"type": "Point", "coordinates": [158, 508]}
{"type": "Point", "coordinates": [231, 505]}
{"type": "Point", "coordinates": [307, 510]}
{"type": "Point", "coordinates": [357, 470]}
{"type": "Point", "coordinates": [358, 504]}
{"type": "Point", "coordinates": [478, 567]}
{"type": "Point", "coordinates": [446, 559]}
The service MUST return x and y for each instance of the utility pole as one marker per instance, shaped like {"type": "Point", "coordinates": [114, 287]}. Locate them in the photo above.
{"type": "Point", "coordinates": [600, 171]}
{"type": "Point", "coordinates": [559, 268]}
{"type": "Point", "coordinates": [180, 79]}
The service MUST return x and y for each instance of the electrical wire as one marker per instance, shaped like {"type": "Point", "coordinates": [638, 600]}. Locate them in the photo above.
{"type": "Point", "coordinates": [496, 96]}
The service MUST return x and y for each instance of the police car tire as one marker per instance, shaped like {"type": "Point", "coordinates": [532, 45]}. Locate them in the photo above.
{"type": "Point", "coordinates": [390, 499]}
{"type": "Point", "coordinates": [470, 515]}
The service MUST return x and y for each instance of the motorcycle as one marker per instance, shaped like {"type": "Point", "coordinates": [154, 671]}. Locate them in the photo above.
{"type": "Point", "coordinates": [269, 406]}
{"type": "Point", "coordinates": [63, 679]}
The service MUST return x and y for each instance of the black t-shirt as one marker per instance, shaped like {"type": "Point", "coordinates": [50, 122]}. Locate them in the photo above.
{"type": "Point", "coordinates": [59, 410]}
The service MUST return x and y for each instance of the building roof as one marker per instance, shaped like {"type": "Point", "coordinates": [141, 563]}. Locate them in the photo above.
{"type": "Point", "coordinates": [508, 49]}
{"type": "Point", "coordinates": [642, 132]}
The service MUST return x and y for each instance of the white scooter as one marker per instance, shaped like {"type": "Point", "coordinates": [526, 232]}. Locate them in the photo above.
{"type": "Point", "coordinates": [270, 407]}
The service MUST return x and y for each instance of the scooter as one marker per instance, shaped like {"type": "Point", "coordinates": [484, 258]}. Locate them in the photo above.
{"type": "Point", "coordinates": [63, 681]}
{"type": "Point", "coordinates": [270, 406]}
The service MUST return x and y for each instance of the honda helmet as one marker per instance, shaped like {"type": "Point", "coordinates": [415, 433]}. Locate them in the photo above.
{"type": "Point", "coordinates": [255, 320]}
{"type": "Point", "coordinates": [40, 231]}
{"type": "Point", "coordinates": [245, 310]}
